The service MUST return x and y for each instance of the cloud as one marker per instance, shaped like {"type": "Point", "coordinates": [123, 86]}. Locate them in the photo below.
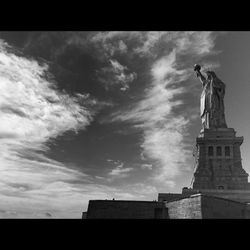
{"type": "Point", "coordinates": [73, 199]}
{"type": "Point", "coordinates": [122, 47]}
{"type": "Point", "coordinates": [116, 75]}
{"type": "Point", "coordinates": [150, 42]}
{"type": "Point", "coordinates": [120, 172]}
{"type": "Point", "coordinates": [33, 112]}
{"type": "Point", "coordinates": [154, 43]}
{"type": "Point", "coordinates": [114, 41]}
{"type": "Point", "coordinates": [116, 162]}
{"type": "Point", "coordinates": [147, 166]}
{"type": "Point", "coordinates": [164, 130]}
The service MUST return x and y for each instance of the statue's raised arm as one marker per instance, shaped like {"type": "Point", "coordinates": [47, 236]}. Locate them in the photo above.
{"type": "Point", "coordinates": [197, 69]}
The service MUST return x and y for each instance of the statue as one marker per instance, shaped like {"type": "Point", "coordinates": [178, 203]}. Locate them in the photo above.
{"type": "Point", "coordinates": [212, 100]}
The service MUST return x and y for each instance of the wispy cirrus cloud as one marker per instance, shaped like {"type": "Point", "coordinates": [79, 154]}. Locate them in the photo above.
{"type": "Point", "coordinates": [120, 172]}
{"type": "Point", "coordinates": [116, 75]}
{"type": "Point", "coordinates": [147, 166]}
{"type": "Point", "coordinates": [164, 130]}
{"type": "Point", "coordinates": [33, 112]}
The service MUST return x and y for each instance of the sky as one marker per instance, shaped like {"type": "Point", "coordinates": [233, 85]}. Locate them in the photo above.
{"type": "Point", "coordinates": [103, 115]}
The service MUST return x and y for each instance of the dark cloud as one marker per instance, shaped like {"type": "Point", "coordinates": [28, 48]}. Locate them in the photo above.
{"type": "Point", "coordinates": [46, 45]}
{"type": "Point", "coordinates": [17, 38]}
{"type": "Point", "coordinates": [80, 61]}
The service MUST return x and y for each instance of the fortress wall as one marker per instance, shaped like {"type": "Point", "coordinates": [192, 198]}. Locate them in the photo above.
{"type": "Point", "coordinates": [187, 208]}
{"type": "Point", "coordinates": [115, 209]}
{"type": "Point", "coordinates": [198, 206]}
{"type": "Point", "coordinates": [218, 208]}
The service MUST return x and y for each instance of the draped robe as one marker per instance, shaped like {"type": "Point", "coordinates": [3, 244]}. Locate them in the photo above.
{"type": "Point", "coordinates": [212, 102]}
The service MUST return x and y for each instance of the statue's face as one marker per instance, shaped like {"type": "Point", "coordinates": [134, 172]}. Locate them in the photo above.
{"type": "Point", "coordinates": [209, 75]}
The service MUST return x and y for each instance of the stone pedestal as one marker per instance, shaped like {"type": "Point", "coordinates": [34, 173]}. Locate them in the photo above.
{"type": "Point", "coordinates": [234, 195]}
{"type": "Point", "coordinates": [218, 161]}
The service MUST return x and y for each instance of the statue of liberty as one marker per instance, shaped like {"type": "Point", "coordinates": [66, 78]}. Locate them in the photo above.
{"type": "Point", "coordinates": [212, 100]}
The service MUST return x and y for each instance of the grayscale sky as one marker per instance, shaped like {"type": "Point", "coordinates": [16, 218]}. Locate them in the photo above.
{"type": "Point", "coordinates": [102, 115]}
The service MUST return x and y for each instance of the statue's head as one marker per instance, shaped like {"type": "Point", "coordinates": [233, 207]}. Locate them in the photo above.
{"type": "Point", "coordinates": [210, 75]}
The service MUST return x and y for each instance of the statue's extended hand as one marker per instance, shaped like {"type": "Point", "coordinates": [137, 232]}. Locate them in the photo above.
{"type": "Point", "coordinates": [197, 67]}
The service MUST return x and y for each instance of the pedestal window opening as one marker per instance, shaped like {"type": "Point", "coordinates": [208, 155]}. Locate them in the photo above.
{"type": "Point", "coordinates": [218, 151]}
{"type": "Point", "coordinates": [210, 151]}
{"type": "Point", "coordinates": [227, 151]}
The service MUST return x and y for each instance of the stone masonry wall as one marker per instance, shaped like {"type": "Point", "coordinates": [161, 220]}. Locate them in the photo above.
{"type": "Point", "coordinates": [218, 208]}
{"type": "Point", "coordinates": [109, 209]}
{"type": "Point", "coordinates": [187, 208]}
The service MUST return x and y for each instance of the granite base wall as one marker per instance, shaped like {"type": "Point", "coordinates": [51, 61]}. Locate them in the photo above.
{"type": "Point", "coordinates": [206, 207]}
{"type": "Point", "coordinates": [186, 208]}
{"type": "Point", "coordinates": [109, 209]}
{"type": "Point", "coordinates": [197, 206]}
{"type": "Point", "coordinates": [235, 195]}
{"type": "Point", "coordinates": [217, 208]}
